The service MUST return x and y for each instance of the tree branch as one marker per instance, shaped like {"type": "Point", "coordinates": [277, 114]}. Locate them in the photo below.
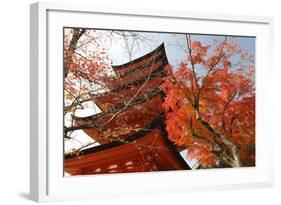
{"type": "Point", "coordinates": [226, 106]}
{"type": "Point", "coordinates": [77, 33]}
{"type": "Point", "coordinates": [227, 142]}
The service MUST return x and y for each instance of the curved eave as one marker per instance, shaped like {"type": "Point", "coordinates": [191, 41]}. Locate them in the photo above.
{"type": "Point", "coordinates": [159, 48]}
{"type": "Point", "coordinates": [159, 71]}
{"type": "Point", "coordinates": [138, 101]}
{"type": "Point", "coordinates": [158, 122]}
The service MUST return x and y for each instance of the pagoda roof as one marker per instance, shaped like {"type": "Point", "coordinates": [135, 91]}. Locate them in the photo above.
{"type": "Point", "coordinates": [146, 150]}
{"type": "Point", "coordinates": [110, 100]}
{"type": "Point", "coordinates": [138, 69]}
{"type": "Point", "coordinates": [123, 120]}
{"type": "Point", "coordinates": [133, 65]}
{"type": "Point", "coordinates": [123, 86]}
{"type": "Point", "coordinates": [123, 106]}
{"type": "Point", "coordinates": [146, 73]}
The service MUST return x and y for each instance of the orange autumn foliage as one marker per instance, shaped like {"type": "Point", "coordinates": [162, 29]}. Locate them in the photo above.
{"type": "Point", "coordinates": [212, 112]}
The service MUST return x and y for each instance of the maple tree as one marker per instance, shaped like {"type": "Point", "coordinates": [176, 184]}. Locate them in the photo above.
{"type": "Point", "coordinates": [86, 64]}
{"type": "Point", "coordinates": [209, 99]}
{"type": "Point", "coordinates": [87, 69]}
{"type": "Point", "coordinates": [210, 104]}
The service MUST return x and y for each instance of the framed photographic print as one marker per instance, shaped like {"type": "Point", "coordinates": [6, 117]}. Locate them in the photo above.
{"type": "Point", "coordinates": [151, 101]}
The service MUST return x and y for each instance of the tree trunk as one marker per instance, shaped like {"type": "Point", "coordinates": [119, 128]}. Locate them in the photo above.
{"type": "Point", "coordinates": [77, 33]}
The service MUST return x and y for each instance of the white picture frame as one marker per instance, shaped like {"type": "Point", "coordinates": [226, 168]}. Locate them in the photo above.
{"type": "Point", "coordinates": [47, 182]}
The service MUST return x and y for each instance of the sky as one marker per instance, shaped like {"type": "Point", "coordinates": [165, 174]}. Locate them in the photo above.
{"type": "Point", "coordinates": [174, 42]}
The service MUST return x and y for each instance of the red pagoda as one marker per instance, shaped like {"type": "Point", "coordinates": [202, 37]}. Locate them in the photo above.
{"type": "Point", "coordinates": [130, 129]}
